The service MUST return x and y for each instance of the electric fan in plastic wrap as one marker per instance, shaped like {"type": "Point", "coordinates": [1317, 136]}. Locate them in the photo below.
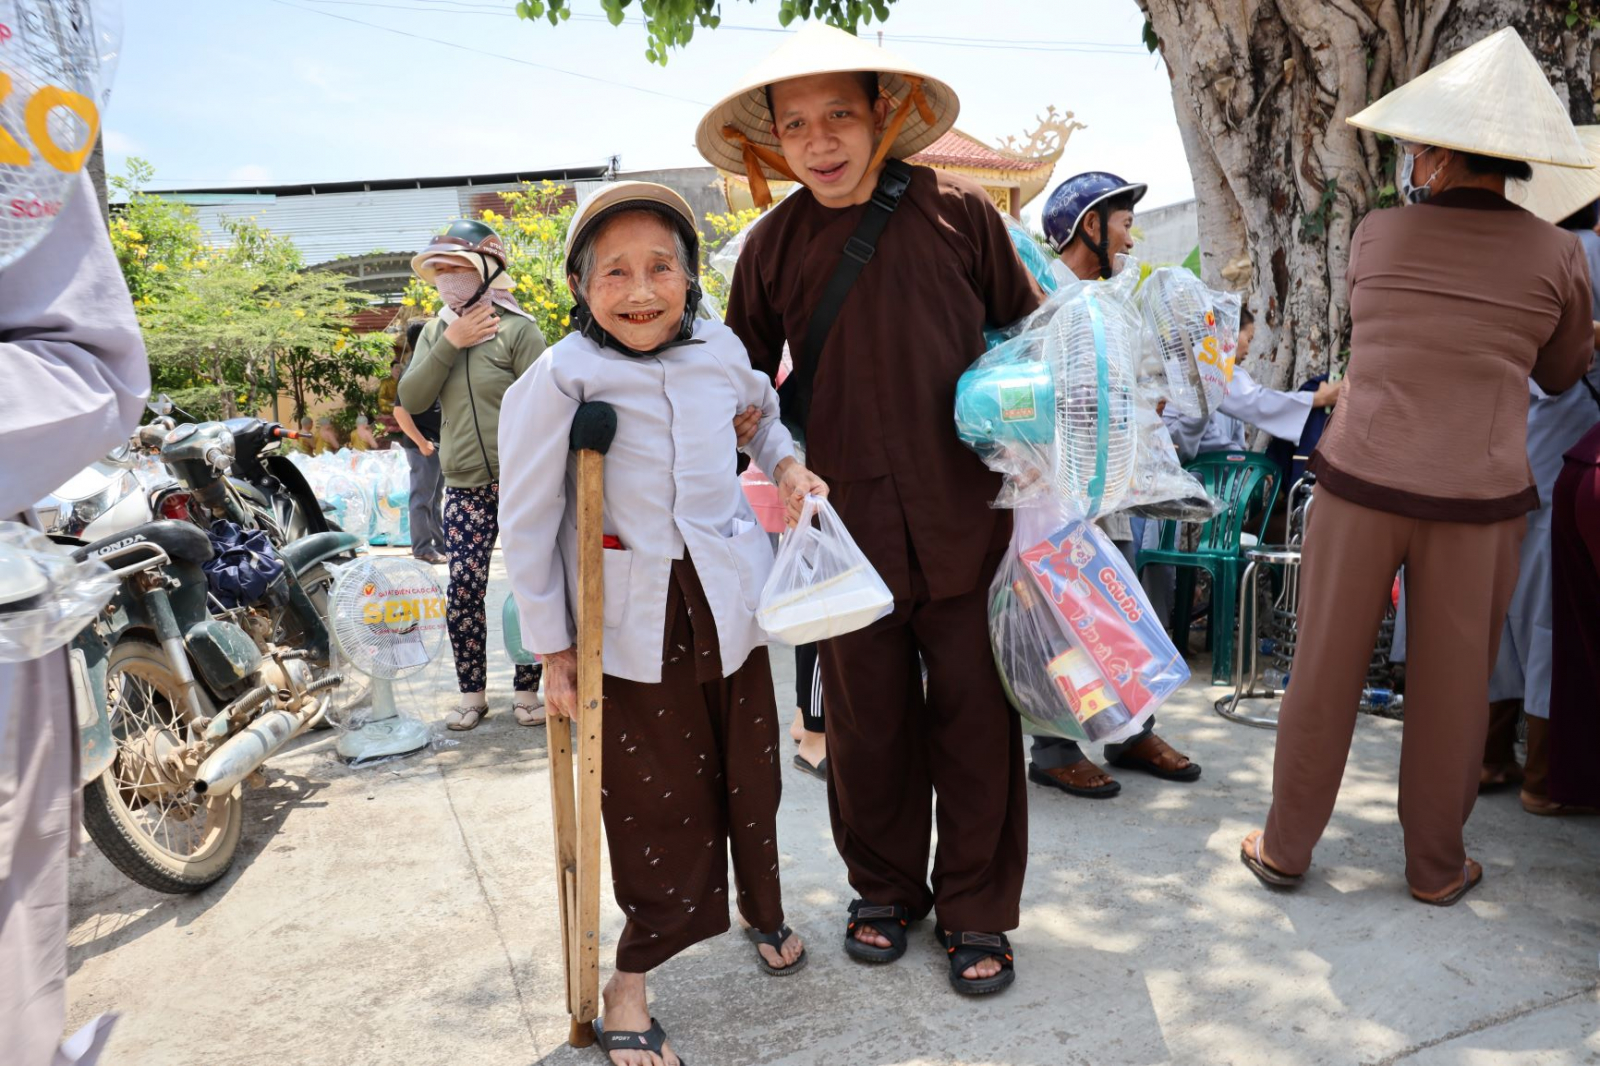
{"type": "Point", "coordinates": [388, 621]}
{"type": "Point", "coordinates": [1196, 330]}
{"type": "Point", "coordinates": [350, 504]}
{"type": "Point", "coordinates": [1090, 347]}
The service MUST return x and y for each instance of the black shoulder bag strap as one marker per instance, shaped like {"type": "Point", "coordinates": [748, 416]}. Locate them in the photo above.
{"type": "Point", "coordinates": [794, 395]}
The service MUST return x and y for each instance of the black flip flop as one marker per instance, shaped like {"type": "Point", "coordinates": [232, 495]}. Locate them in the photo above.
{"type": "Point", "coordinates": [775, 942]}
{"type": "Point", "coordinates": [888, 921]}
{"type": "Point", "coordinates": [968, 949]}
{"type": "Point", "coordinates": [816, 770]}
{"type": "Point", "coordinates": [1042, 777]}
{"type": "Point", "coordinates": [651, 1040]}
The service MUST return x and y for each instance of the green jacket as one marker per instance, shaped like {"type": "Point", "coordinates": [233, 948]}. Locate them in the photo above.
{"type": "Point", "coordinates": [469, 386]}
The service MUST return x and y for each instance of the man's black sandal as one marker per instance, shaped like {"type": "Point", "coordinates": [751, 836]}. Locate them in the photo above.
{"type": "Point", "coordinates": [652, 1040]}
{"type": "Point", "coordinates": [887, 921]}
{"type": "Point", "coordinates": [775, 942]}
{"type": "Point", "coordinates": [968, 949]}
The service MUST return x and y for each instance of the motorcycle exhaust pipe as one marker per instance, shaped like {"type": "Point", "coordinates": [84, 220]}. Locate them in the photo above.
{"type": "Point", "coordinates": [239, 755]}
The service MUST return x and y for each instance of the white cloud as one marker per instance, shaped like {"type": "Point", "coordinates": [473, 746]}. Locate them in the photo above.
{"type": "Point", "coordinates": [250, 172]}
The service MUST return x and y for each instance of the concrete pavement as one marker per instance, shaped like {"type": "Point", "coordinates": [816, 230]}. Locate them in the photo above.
{"type": "Point", "coordinates": [406, 914]}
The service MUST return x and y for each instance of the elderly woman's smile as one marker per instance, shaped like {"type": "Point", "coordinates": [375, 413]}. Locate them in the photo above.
{"type": "Point", "coordinates": [635, 278]}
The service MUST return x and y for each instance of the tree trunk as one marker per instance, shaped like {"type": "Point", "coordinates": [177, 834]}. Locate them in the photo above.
{"type": "Point", "coordinates": [97, 176]}
{"type": "Point", "coordinates": [1262, 89]}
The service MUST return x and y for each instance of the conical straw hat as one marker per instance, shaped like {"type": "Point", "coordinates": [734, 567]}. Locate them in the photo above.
{"type": "Point", "coordinates": [821, 49]}
{"type": "Point", "coordinates": [1553, 193]}
{"type": "Point", "coordinates": [1491, 99]}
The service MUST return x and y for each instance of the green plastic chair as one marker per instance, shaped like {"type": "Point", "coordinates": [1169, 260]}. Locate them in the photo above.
{"type": "Point", "coordinates": [1246, 484]}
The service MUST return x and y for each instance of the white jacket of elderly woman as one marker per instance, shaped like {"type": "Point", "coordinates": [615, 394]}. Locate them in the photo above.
{"type": "Point", "coordinates": [690, 739]}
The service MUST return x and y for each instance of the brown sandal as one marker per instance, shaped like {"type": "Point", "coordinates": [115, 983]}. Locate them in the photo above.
{"type": "Point", "coordinates": [1155, 756]}
{"type": "Point", "coordinates": [1269, 875]}
{"type": "Point", "coordinates": [1545, 808]}
{"type": "Point", "coordinates": [1471, 874]}
{"type": "Point", "coordinates": [1077, 779]}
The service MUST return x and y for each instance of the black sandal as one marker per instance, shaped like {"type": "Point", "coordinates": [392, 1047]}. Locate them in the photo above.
{"type": "Point", "coordinates": [969, 949]}
{"type": "Point", "coordinates": [888, 922]}
{"type": "Point", "coordinates": [775, 942]}
{"type": "Point", "coordinates": [652, 1040]}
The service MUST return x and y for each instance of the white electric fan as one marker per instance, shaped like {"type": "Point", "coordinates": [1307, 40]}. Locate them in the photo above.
{"type": "Point", "coordinates": [388, 621]}
{"type": "Point", "coordinates": [1091, 345]}
{"type": "Point", "coordinates": [1196, 330]}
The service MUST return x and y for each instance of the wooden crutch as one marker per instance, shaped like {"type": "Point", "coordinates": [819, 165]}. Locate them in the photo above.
{"type": "Point", "coordinates": [576, 811]}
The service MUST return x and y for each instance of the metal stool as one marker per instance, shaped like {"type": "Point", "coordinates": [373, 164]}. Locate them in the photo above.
{"type": "Point", "coordinates": [1265, 639]}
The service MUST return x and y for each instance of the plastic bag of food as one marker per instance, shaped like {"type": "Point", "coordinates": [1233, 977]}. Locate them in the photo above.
{"type": "Point", "coordinates": [821, 584]}
{"type": "Point", "coordinates": [1077, 645]}
{"type": "Point", "coordinates": [46, 596]}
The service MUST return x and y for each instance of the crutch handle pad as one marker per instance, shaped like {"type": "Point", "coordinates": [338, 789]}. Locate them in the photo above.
{"type": "Point", "coordinates": [593, 427]}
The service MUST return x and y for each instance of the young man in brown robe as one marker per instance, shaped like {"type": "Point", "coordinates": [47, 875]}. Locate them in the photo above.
{"type": "Point", "coordinates": [881, 432]}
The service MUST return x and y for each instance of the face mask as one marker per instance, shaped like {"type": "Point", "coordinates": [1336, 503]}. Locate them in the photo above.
{"type": "Point", "coordinates": [1413, 194]}
{"type": "Point", "coordinates": [456, 288]}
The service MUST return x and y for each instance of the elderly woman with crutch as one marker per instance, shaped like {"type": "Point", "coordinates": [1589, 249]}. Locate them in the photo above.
{"type": "Point", "coordinates": [1456, 300]}
{"type": "Point", "coordinates": [690, 765]}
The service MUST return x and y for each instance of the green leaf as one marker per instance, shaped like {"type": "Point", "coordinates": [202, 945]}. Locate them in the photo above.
{"type": "Point", "coordinates": [785, 15]}
{"type": "Point", "coordinates": [1572, 19]}
{"type": "Point", "coordinates": [1151, 41]}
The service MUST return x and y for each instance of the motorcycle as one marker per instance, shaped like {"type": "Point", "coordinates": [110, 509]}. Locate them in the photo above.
{"type": "Point", "coordinates": [197, 696]}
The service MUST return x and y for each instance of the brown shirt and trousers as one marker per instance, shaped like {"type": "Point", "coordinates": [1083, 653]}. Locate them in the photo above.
{"type": "Point", "coordinates": [882, 434]}
{"type": "Point", "coordinates": [1454, 303]}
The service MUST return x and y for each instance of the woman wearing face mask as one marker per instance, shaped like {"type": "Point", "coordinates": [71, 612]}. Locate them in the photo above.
{"type": "Point", "coordinates": [481, 342]}
{"type": "Point", "coordinates": [1455, 302]}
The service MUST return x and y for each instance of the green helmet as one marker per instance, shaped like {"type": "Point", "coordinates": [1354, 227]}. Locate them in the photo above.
{"type": "Point", "coordinates": [461, 238]}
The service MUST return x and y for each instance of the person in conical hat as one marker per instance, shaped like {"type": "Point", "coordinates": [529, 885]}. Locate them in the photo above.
{"type": "Point", "coordinates": [929, 265]}
{"type": "Point", "coordinates": [1457, 300]}
{"type": "Point", "coordinates": [691, 776]}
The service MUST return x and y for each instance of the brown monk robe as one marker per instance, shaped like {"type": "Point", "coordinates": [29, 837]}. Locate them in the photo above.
{"type": "Point", "coordinates": [882, 434]}
{"type": "Point", "coordinates": [1455, 303]}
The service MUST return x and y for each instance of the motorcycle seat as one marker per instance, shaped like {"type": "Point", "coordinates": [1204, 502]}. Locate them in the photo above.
{"type": "Point", "coordinates": [181, 541]}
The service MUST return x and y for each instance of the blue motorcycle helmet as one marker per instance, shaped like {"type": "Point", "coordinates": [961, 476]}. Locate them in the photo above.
{"type": "Point", "coordinates": [1073, 199]}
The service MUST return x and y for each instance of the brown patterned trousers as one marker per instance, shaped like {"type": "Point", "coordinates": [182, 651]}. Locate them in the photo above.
{"type": "Point", "coordinates": [691, 774]}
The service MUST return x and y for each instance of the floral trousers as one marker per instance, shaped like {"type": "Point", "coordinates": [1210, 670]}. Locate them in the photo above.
{"type": "Point", "coordinates": [471, 526]}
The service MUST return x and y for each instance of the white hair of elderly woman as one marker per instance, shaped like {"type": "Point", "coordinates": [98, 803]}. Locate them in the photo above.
{"type": "Point", "coordinates": [586, 253]}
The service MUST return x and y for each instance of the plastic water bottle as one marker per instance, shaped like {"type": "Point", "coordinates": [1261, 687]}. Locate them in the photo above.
{"type": "Point", "coordinates": [1377, 698]}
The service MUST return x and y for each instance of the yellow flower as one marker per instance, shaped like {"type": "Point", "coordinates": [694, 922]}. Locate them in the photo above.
{"type": "Point", "coordinates": [159, 268]}
{"type": "Point", "coordinates": [549, 303]}
{"type": "Point", "coordinates": [134, 234]}
{"type": "Point", "coordinates": [141, 251]}
{"type": "Point", "coordinates": [566, 321]}
{"type": "Point", "coordinates": [527, 280]}
{"type": "Point", "coordinates": [407, 301]}
{"type": "Point", "coordinates": [299, 312]}
{"type": "Point", "coordinates": [339, 345]}
{"type": "Point", "coordinates": [344, 329]}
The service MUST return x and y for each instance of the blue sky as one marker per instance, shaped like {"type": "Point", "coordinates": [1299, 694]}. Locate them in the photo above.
{"type": "Point", "coordinates": [216, 92]}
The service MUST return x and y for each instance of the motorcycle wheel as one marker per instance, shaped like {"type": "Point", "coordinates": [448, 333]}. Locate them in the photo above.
{"type": "Point", "coordinates": [146, 826]}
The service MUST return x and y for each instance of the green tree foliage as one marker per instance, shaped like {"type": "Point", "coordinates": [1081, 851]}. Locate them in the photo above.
{"type": "Point", "coordinates": [227, 327]}
{"type": "Point", "coordinates": [670, 24]}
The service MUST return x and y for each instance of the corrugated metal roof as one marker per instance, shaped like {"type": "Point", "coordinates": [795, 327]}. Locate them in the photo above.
{"type": "Point", "coordinates": [333, 225]}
